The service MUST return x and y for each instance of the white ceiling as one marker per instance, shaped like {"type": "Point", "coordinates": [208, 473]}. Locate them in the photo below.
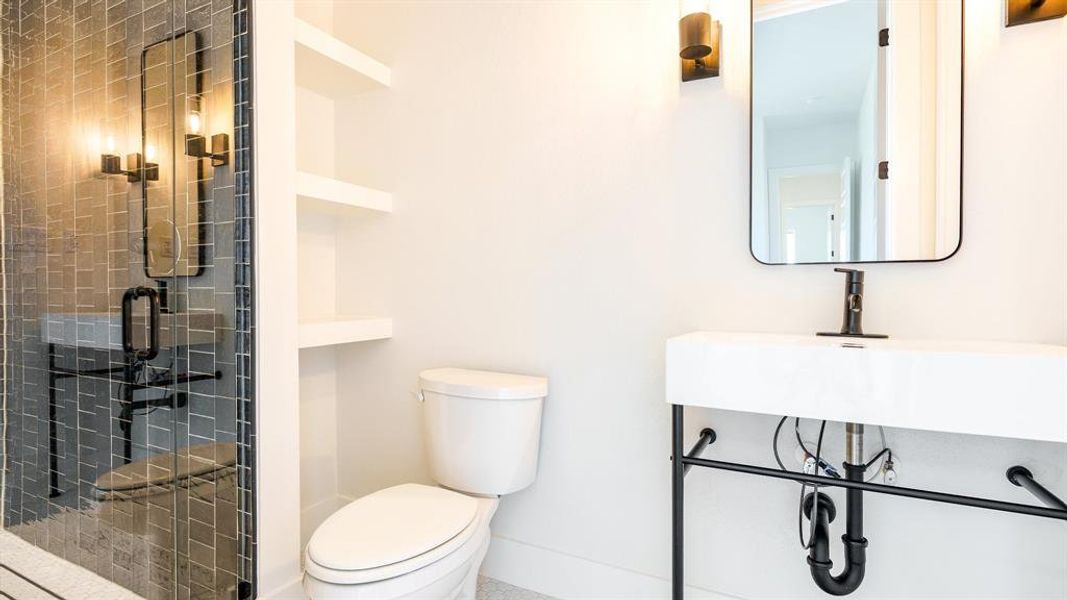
{"type": "Point", "coordinates": [813, 64]}
{"type": "Point", "coordinates": [769, 9]}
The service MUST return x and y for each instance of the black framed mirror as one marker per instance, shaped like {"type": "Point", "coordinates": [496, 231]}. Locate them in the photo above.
{"type": "Point", "coordinates": [856, 130]}
{"type": "Point", "coordinates": [174, 183]}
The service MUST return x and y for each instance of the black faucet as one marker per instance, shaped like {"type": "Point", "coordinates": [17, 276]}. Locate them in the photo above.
{"type": "Point", "coordinates": [852, 322]}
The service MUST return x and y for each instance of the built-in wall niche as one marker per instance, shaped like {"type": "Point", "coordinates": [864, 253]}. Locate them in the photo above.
{"type": "Point", "coordinates": [328, 71]}
{"type": "Point", "coordinates": [327, 319]}
{"type": "Point", "coordinates": [333, 70]}
{"type": "Point", "coordinates": [331, 75]}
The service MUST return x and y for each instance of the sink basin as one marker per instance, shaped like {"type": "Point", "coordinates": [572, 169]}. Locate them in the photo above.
{"type": "Point", "coordinates": [981, 388]}
{"type": "Point", "coordinates": [103, 330]}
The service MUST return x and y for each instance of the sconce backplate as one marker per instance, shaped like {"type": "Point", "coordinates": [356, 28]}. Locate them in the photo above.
{"type": "Point", "coordinates": [709, 65]}
{"type": "Point", "coordinates": [1021, 12]}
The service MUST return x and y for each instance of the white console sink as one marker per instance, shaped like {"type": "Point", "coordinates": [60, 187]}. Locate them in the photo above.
{"type": "Point", "coordinates": [103, 330]}
{"type": "Point", "coordinates": [982, 388]}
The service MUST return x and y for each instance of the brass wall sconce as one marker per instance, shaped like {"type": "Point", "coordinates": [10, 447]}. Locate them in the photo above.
{"type": "Point", "coordinates": [1021, 12]}
{"type": "Point", "coordinates": [698, 46]}
{"type": "Point", "coordinates": [196, 144]}
{"type": "Point", "coordinates": [111, 164]}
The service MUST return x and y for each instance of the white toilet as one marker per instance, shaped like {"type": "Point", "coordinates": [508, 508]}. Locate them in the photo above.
{"type": "Point", "coordinates": [482, 435]}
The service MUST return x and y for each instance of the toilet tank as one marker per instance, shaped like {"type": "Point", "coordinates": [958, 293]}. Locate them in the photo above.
{"type": "Point", "coordinates": [482, 429]}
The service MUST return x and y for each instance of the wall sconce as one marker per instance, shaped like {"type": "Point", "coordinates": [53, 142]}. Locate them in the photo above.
{"type": "Point", "coordinates": [111, 164]}
{"type": "Point", "coordinates": [196, 144]}
{"type": "Point", "coordinates": [698, 42]}
{"type": "Point", "coordinates": [1021, 12]}
{"type": "Point", "coordinates": [151, 168]}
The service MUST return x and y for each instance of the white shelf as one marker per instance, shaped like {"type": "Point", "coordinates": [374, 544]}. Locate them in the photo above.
{"type": "Point", "coordinates": [326, 193]}
{"type": "Point", "coordinates": [331, 331]}
{"type": "Point", "coordinates": [326, 64]}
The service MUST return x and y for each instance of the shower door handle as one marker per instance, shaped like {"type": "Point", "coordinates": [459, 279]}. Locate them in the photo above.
{"type": "Point", "coordinates": [128, 348]}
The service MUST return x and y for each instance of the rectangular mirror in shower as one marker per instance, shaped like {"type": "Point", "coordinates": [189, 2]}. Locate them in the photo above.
{"type": "Point", "coordinates": [856, 132]}
{"type": "Point", "coordinates": [173, 183]}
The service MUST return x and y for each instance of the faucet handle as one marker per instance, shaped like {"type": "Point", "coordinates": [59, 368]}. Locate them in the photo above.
{"type": "Point", "coordinates": [854, 275]}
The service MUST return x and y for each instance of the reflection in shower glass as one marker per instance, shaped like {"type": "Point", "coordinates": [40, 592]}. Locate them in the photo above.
{"type": "Point", "coordinates": [173, 82]}
{"type": "Point", "coordinates": [126, 406]}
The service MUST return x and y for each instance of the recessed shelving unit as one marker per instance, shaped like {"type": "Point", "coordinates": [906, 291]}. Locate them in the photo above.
{"type": "Point", "coordinates": [333, 77]}
{"type": "Point", "coordinates": [325, 193]}
{"type": "Point", "coordinates": [333, 331]}
{"type": "Point", "coordinates": [336, 70]}
{"type": "Point", "coordinates": [329, 66]}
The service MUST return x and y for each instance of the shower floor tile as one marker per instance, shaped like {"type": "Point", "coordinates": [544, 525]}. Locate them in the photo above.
{"type": "Point", "coordinates": [30, 573]}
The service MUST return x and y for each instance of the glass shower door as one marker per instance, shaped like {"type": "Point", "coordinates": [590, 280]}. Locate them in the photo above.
{"type": "Point", "coordinates": [120, 407]}
{"type": "Point", "coordinates": [190, 246]}
{"type": "Point", "coordinates": [90, 405]}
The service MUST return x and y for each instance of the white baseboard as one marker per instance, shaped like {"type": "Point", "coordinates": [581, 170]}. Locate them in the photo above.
{"type": "Point", "coordinates": [294, 590]}
{"type": "Point", "coordinates": [569, 577]}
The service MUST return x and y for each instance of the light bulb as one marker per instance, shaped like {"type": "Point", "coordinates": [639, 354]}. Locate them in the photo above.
{"type": "Point", "coordinates": [109, 145]}
{"type": "Point", "coordinates": [194, 122]}
{"type": "Point", "coordinates": [150, 152]}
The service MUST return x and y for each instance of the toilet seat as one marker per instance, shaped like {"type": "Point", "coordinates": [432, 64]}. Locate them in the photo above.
{"type": "Point", "coordinates": [455, 531]}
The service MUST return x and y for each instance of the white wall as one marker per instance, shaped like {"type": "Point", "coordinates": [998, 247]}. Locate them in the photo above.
{"type": "Point", "coordinates": [917, 78]}
{"type": "Point", "coordinates": [866, 216]}
{"type": "Point", "coordinates": [563, 205]}
{"type": "Point", "coordinates": [760, 199]}
{"type": "Point", "coordinates": [277, 414]}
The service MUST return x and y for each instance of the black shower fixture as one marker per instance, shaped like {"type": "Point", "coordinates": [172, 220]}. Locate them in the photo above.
{"type": "Point", "coordinates": [136, 169]}
{"type": "Point", "coordinates": [196, 144]}
{"type": "Point", "coordinates": [219, 153]}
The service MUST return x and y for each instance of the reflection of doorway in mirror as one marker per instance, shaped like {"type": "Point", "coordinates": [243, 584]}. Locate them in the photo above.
{"type": "Point", "coordinates": [808, 232]}
{"type": "Point", "coordinates": [810, 213]}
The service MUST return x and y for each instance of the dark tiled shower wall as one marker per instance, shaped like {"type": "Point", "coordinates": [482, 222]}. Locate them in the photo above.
{"type": "Point", "coordinates": [244, 280]}
{"type": "Point", "coordinates": [73, 245]}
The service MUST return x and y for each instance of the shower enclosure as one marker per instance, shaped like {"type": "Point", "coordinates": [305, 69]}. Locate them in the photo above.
{"type": "Point", "coordinates": [126, 409]}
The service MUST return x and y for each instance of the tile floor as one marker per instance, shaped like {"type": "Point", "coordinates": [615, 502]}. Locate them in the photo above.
{"type": "Point", "coordinates": [491, 589]}
{"type": "Point", "coordinates": [52, 577]}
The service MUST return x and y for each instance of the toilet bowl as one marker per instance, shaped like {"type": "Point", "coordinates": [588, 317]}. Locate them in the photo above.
{"type": "Point", "coordinates": [407, 541]}
{"type": "Point", "coordinates": [482, 433]}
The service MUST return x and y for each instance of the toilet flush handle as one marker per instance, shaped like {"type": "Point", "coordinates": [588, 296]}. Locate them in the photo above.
{"type": "Point", "coordinates": [419, 395]}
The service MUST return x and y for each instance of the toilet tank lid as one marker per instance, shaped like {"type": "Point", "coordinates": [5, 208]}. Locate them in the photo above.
{"type": "Point", "coordinates": [488, 385]}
